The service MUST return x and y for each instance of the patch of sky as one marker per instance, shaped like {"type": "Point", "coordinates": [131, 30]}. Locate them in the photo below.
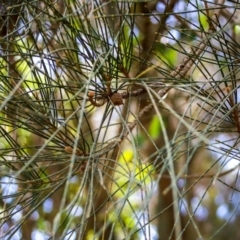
{"type": "Point", "coordinates": [48, 205]}
{"type": "Point", "coordinates": [75, 211]}
{"type": "Point", "coordinates": [223, 212]}
{"type": "Point", "coordinates": [15, 236]}
{"type": "Point", "coordinates": [4, 227]}
{"type": "Point", "coordinates": [84, 52]}
{"type": "Point", "coordinates": [9, 187]}
{"type": "Point", "coordinates": [71, 235]}
{"type": "Point", "coordinates": [148, 231]}
{"type": "Point", "coordinates": [171, 37]}
{"type": "Point", "coordinates": [21, 27]}
{"type": "Point", "coordinates": [181, 183]}
{"type": "Point", "coordinates": [201, 191]}
{"type": "Point", "coordinates": [219, 199]}
{"type": "Point", "coordinates": [183, 207]}
{"type": "Point", "coordinates": [160, 7]}
{"type": "Point", "coordinates": [74, 179]}
{"type": "Point", "coordinates": [171, 21]}
{"type": "Point", "coordinates": [135, 31]}
{"type": "Point", "coordinates": [155, 19]}
{"type": "Point", "coordinates": [200, 212]}
{"type": "Point", "coordinates": [39, 235]}
{"type": "Point", "coordinates": [180, 8]}
{"type": "Point", "coordinates": [34, 216]}
{"type": "Point", "coordinates": [44, 62]}
{"type": "Point", "coordinates": [234, 202]}
{"type": "Point", "coordinates": [151, 190]}
{"type": "Point", "coordinates": [16, 214]}
{"type": "Point", "coordinates": [221, 144]}
{"type": "Point", "coordinates": [188, 11]}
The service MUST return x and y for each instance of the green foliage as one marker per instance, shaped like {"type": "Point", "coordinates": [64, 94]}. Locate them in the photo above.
{"type": "Point", "coordinates": [123, 115]}
{"type": "Point", "coordinates": [154, 128]}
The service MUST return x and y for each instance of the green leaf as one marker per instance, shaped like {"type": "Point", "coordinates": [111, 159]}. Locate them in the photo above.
{"type": "Point", "coordinates": [155, 127]}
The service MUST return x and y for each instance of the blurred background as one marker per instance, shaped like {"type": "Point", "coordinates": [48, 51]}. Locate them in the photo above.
{"type": "Point", "coordinates": [119, 119]}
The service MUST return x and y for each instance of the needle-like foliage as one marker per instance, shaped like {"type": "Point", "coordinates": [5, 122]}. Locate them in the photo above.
{"type": "Point", "coordinates": [119, 119]}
